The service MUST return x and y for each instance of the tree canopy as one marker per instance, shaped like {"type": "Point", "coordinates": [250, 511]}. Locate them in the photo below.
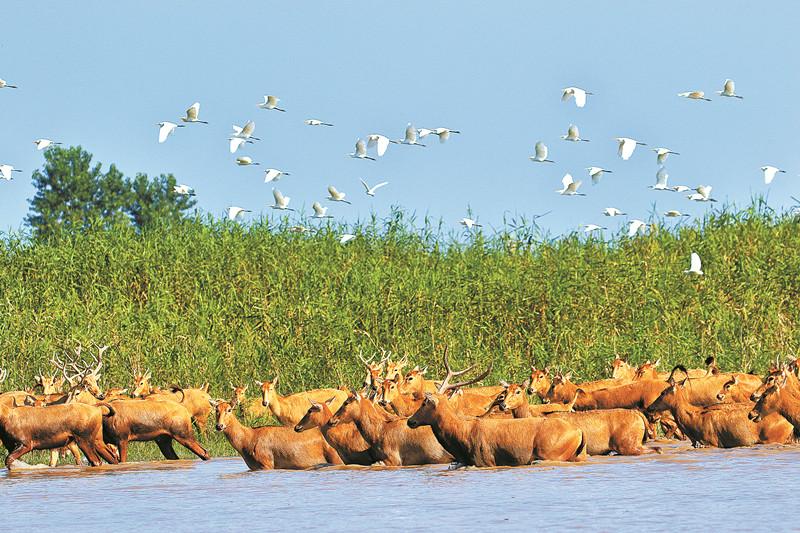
{"type": "Point", "coordinates": [72, 194]}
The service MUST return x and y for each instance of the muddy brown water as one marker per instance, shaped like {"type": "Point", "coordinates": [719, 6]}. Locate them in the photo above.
{"type": "Point", "coordinates": [744, 489]}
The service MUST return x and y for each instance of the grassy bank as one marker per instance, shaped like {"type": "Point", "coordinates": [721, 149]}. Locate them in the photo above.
{"type": "Point", "coordinates": [206, 301]}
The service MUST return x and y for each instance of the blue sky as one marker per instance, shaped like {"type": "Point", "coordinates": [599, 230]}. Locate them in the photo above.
{"type": "Point", "coordinates": [102, 76]}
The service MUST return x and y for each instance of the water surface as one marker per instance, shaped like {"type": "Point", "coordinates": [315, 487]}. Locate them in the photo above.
{"type": "Point", "coordinates": [743, 489]}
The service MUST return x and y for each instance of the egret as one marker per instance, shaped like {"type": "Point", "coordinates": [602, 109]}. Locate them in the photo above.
{"type": "Point", "coordinates": [238, 142]}
{"type": "Point", "coordinates": [43, 144]}
{"type": "Point", "coordinates": [245, 160]}
{"type": "Point", "coordinates": [246, 131]}
{"type": "Point", "coordinates": [411, 136]}
{"type": "Point", "coordinates": [192, 114]}
{"type": "Point", "coordinates": [361, 151]}
{"type": "Point", "coordinates": [235, 211]}
{"type": "Point", "coordinates": [273, 174]}
{"type": "Point", "coordinates": [346, 237]}
{"type": "Point", "coordinates": [6, 172]}
{"type": "Point", "coordinates": [270, 102]}
{"type": "Point", "coordinates": [662, 154]}
{"type": "Point", "coordinates": [336, 196]}
{"type": "Point", "coordinates": [424, 132]}
{"type": "Point", "coordinates": [370, 191]}
{"type": "Point", "coordinates": [694, 95]}
{"type": "Point", "coordinates": [695, 266]}
{"type": "Point", "coordinates": [574, 92]}
{"type": "Point", "coordinates": [5, 85]}
{"type": "Point", "coordinates": [469, 223]}
{"type": "Point", "coordinates": [443, 133]}
{"type": "Point", "coordinates": [165, 129]}
{"type": "Point", "coordinates": [540, 155]}
{"type": "Point", "coordinates": [703, 194]}
{"type": "Point", "coordinates": [673, 213]}
{"type": "Point", "coordinates": [661, 180]}
{"type": "Point", "coordinates": [635, 226]}
{"type": "Point", "coordinates": [588, 228]}
{"type": "Point", "coordinates": [319, 211]}
{"type": "Point", "coordinates": [680, 188]}
{"type": "Point", "coordinates": [573, 134]}
{"type": "Point", "coordinates": [626, 146]}
{"type": "Point", "coordinates": [596, 173]}
{"type": "Point", "coordinates": [315, 122]}
{"type": "Point", "coordinates": [769, 173]}
{"type": "Point", "coordinates": [570, 186]}
{"type": "Point", "coordinates": [183, 190]}
{"type": "Point", "coordinates": [729, 90]}
{"type": "Point", "coordinates": [381, 141]}
{"type": "Point", "coordinates": [281, 201]}
{"type": "Point", "coordinates": [612, 212]}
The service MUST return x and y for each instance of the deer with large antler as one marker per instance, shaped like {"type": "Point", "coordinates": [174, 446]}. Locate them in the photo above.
{"type": "Point", "coordinates": [497, 442]}
{"type": "Point", "coordinates": [81, 375]}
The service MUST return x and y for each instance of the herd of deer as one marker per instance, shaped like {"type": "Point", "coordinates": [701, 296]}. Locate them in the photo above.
{"type": "Point", "coordinates": [401, 418]}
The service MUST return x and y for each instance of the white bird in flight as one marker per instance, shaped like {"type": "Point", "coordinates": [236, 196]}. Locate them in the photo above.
{"type": "Point", "coordinates": [165, 129]}
{"type": "Point", "coordinates": [336, 196]}
{"type": "Point", "coordinates": [381, 141]}
{"type": "Point", "coordinates": [443, 133]}
{"type": "Point", "coordinates": [43, 144]}
{"type": "Point", "coordinates": [573, 134]}
{"type": "Point", "coordinates": [570, 186]}
{"type": "Point", "coordinates": [596, 173]}
{"type": "Point", "coordinates": [235, 211]}
{"type": "Point", "coordinates": [661, 180]}
{"type": "Point", "coordinates": [361, 151]}
{"type": "Point", "coordinates": [183, 190]}
{"type": "Point", "coordinates": [423, 132]}
{"type": "Point", "coordinates": [192, 113]}
{"type": "Point", "coordinates": [319, 211]}
{"type": "Point", "coordinates": [237, 142]}
{"type": "Point", "coordinates": [370, 191]}
{"type": "Point", "coordinates": [680, 188]}
{"type": "Point", "coordinates": [729, 90]}
{"type": "Point", "coordinates": [469, 223]}
{"type": "Point", "coordinates": [574, 92]}
{"type": "Point", "coordinates": [244, 161]}
{"type": "Point", "coordinates": [346, 237]}
{"type": "Point", "coordinates": [673, 213]}
{"type": "Point", "coordinates": [270, 102]}
{"type": "Point", "coordinates": [281, 201]}
{"type": "Point", "coordinates": [7, 172]}
{"type": "Point", "coordinates": [694, 95]}
{"type": "Point", "coordinates": [770, 172]}
{"type": "Point", "coordinates": [246, 131]}
{"type": "Point", "coordinates": [588, 228]}
{"type": "Point", "coordinates": [695, 266]}
{"type": "Point", "coordinates": [613, 212]}
{"type": "Point", "coordinates": [5, 85]}
{"type": "Point", "coordinates": [273, 174]}
{"type": "Point", "coordinates": [635, 226]}
{"type": "Point", "coordinates": [662, 154]}
{"type": "Point", "coordinates": [315, 122]}
{"type": "Point", "coordinates": [626, 146]}
{"type": "Point", "coordinates": [540, 153]}
{"type": "Point", "coordinates": [411, 136]}
{"type": "Point", "coordinates": [703, 194]}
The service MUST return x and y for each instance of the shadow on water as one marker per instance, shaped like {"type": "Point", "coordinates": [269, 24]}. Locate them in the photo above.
{"type": "Point", "coordinates": [604, 493]}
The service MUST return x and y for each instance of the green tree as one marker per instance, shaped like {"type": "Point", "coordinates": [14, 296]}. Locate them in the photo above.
{"type": "Point", "coordinates": [73, 194]}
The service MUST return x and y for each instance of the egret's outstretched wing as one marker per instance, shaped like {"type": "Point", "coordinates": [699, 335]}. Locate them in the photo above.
{"type": "Point", "coordinates": [661, 178]}
{"type": "Point", "coordinates": [695, 264]}
{"type": "Point", "coordinates": [541, 151]}
{"type": "Point", "coordinates": [580, 97]}
{"type": "Point", "coordinates": [566, 181]}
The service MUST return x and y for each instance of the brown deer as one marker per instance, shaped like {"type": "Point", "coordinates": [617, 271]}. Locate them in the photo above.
{"type": "Point", "coordinates": [24, 429]}
{"type": "Point", "coordinates": [195, 399]}
{"type": "Point", "coordinates": [344, 437]}
{"type": "Point", "coordinates": [775, 374]}
{"type": "Point", "coordinates": [722, 426]}
{"type": "Point", "coordinates": [563, 390]}
{"type": "Point", "coordinates": [391, 440]}
{"type": "Point", "coordinates": [734, 391]}
{"type": "Point", "coordinates": [248, 407]}
{"type": "Point", "coordinates": [144, 420]}
{"type": "Point", "coordinates": [515, 400]}
{"type": "Point", "coordinates": [414, 382]}
{"type": "Point", "coordinates": [268, 447]}
{"type": "Point", "coordinates": [778, 400]}
{"type": "Point", "coordinates": [374, 372]}
{"type": "Point", "coordinates": [290, 409]}
{"type": "Point", "coordinates": [539, 382]}
{"type": "Point", "coordinates": [620, 369]}
{"type": "Point", "coordinates": [394, 369]}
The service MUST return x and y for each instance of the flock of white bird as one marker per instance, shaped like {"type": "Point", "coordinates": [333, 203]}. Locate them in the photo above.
{"type": "Point", "coordinates": [242, 136]}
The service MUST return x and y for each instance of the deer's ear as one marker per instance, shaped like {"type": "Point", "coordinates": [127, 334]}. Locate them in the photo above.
{"type": "Point", "coordinates": [526, 383]}
{"type": "Point", "coordinates": [504, 384]}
